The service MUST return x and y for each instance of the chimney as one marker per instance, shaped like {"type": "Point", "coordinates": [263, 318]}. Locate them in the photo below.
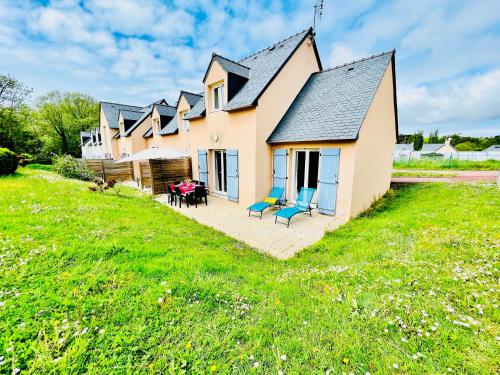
{"type": "Point", "coordinates": [447, 142]}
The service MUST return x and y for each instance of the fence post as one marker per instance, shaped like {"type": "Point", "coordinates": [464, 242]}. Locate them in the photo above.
{"type": "Point", "coordinates": [103, 170]}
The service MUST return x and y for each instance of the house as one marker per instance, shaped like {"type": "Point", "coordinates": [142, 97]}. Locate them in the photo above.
{"type": "Point", "coordinates": [277, 118]}
{"type": "Point", "coordinates": [439, 148]}
{"type": "Point", "coordinates": [91, 144]}
{"type": "Point", "coordinates": [492, 148]}
{"type": "Point", "coordinates": [402, 151]}
{"type": "Point", "coordinates": [403, 147]}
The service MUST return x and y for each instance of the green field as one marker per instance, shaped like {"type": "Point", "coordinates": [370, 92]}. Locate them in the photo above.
{"type": "Point", "coordinates": [419, 173]}
{"type": "Point", "coordinates": [121, 284]}
{"type": "Point", "coordinates": [460, 165]}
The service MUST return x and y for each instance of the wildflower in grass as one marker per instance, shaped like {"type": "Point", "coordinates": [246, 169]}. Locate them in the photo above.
{"type": "Point", "coordinates": [213, 368]}
{"type": "Point", "coordinates": [345, 361]}
{"type": "Point", "coordinates": [250, 357]}
{"type": "Point", "coordinates": [188, 345]}
{"type": "Point", "coordinates": [160, 300]}
{"type": "Point", "coordinates": [395, 365]}
{"type": "Point", "coordinates": [101, 331]}
{"type": "Point", "coordinates": [255, 364]}
{"type": "Point", "coordinates": [283, 357]}
{"type": "Point", "coordinates": [169, 291]}
{"type": "Point", "coordinates": [17, 370]}
{"type": "Point", "coordinates": [163, 283]}
{"type": "Point", "coordinates": [280, 372]}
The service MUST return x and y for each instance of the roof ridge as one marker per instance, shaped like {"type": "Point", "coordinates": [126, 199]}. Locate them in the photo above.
{"type": "Point", "coordinates": [356, 61]}
{"type": "Point", "coordinates": [225, 58]}
{"type": "Point", "coordinates": [128, 105]}
{"type": "Point", "coordinates": [281, 41]}
{"type": "Point", "coordinates": [189, 92]}
{"type": "Point", "coordinates": [164, 105]}
{"type": "Point", "coordinates": [131, 110]}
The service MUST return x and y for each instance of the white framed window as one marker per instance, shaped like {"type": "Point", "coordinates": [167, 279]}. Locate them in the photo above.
{"type": "Point", "coordinates": [157, 124]}
{"type": "Point", "coordinates": [185, 123]}
{"type": "Point", "coordinates": [217, 97]}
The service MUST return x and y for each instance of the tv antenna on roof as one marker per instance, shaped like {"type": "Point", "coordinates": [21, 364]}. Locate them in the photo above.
{"type": "Point", "coordinates": [318, 12]}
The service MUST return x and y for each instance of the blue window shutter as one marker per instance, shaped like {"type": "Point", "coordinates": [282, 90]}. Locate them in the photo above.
{"type": "Point", "coordinates": [203, 166]}
{"type": "Point", "coordinates": [279, 168]}
{"type": "Point", "coordinates": [328, 180]}
{"type": "Point", "coordinates": [232, 174]}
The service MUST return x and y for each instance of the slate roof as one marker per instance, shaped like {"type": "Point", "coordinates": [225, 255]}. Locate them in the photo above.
{"type": "Point", "coordinates": [191, 98]}
{"type": "Point", "coordinates": [431, 147]}
{"type": "Point", "coordinates": [262, 66]}
{"type": "Point", "coordinates": [403, 147]}
{"type": "Point", "coordinates": [197, 111]}
{"type": "Point", "coordinates": [171, 128]}
{"type": "Point", "coordinates": [111, 112]}
{"type": "Point", "coordinates": [495, 148]}
{"type": "Point", "coordinates": [229, 66]}
{"type": "Point", "coordinates": [131, 115]}
{"type": "Point", "coordinates": [333, 103]}
{"type": "Point", "coordinates": [165, 110]}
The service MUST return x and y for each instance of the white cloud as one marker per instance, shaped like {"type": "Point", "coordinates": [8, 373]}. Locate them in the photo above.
{"type": "Point", "coordinates": [139, 50]}
{"type": "Point", "coordinates": [472, 100]}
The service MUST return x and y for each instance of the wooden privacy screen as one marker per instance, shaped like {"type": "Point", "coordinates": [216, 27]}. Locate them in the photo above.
{"type": "Point", "coordinates": [108, 169]}
{"type": "Point", "coordinates": [145, 176]}
{"type": "Point", "coordinates": [168, 171]}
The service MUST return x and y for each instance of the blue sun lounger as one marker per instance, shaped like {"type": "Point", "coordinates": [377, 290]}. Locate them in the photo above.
{"type": "Point", "coordinates": [302, 205]}
{"type": "Point", "coordinates": [275, 195]}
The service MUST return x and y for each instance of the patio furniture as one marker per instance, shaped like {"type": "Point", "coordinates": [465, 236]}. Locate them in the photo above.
{"type": "Point", "coordinates": [200, 192]}
{"type": "Point", "coordinates": [302, 205]}
{"type": "Point", "coordinates": [171, 195]}
{"type": "Point", "coordinates": [182, 195]}
{"type": "Point", "coordinates": [274, 199]}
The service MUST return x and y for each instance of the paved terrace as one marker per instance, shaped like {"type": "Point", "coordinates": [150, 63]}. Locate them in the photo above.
{"type": "Point", "coordinates": [274, 239]}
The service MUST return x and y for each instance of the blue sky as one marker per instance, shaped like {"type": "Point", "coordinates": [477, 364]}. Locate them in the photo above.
{"type": "Point", "coordinates": [137, 51]}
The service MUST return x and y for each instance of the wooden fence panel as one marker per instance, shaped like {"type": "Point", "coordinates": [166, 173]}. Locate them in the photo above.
{"type": "Point", "coordinates": [108, 169]}
{"type": "Point", "coordinates": [145, 170]}
{"type": "Point", "coordinates": [168, 171]}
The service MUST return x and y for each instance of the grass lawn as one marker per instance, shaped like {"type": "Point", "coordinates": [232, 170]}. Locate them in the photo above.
{"type": "Point", "coordinates": [121, 284]}
{"type": "Point", "coordinates": [461, 165]}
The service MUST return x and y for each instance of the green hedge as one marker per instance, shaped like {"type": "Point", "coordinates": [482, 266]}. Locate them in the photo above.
{"type": "Point", "coordinates": [8, 161]}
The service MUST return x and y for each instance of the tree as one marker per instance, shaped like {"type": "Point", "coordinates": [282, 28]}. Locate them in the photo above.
{"type": "Point", "coordinates": [61, 116]}
{"type": "Point", "coordinates": [434, 136]}
{"type": "Point", "coordinates": [418, 140]}
{"type": "Point", "coordinates": [15, 117]}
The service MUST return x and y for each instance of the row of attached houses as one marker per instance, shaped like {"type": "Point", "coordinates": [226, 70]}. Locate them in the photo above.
{"type": "Point", "coordinates": [276, 118]}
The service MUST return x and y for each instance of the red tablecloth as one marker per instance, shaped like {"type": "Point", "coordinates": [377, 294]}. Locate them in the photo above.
{"type": "Point", "coordinates": [186, 188]}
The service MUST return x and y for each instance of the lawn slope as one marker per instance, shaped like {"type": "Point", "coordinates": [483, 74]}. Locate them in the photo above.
{"type": "Point", "coordinates": [114, 284]}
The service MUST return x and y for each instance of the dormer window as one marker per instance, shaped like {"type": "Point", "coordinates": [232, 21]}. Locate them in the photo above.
{"type": "Point", "coordinates": [217, 97]}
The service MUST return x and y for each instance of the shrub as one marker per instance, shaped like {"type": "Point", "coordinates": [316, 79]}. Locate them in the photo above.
{"type": "Point", "coordinates": [70, 167]}
{"type": "Point", "coordinates": [25, 159]}
{"type": "Point", "coordinates": [8, 161]}
{"type": "Point", "coordinates": [102, 186]}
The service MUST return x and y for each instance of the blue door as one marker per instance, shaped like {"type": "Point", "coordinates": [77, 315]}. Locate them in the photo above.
{"type": "Point", "coordinates": [203, 166]}
{"type": "Point", "coordinates": [232, 174]}
{"type": "Point", "coordinates": [328, 180]}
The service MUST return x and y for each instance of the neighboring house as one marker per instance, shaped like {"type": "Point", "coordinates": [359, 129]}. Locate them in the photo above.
{"type": "Point", "coordinates": [439, 148]}
{"type": "Point", "coordinates": [276, 118]}
{"type": "Point", "coordinates": [402, 151]}
{"type": "Point", "coordinates": [492, 148]}
{"type": "Point", "coordinates": [91, 144]}
{"type": "Point", "coordinates": [124, 127]}
{"type": "Point", "coordinates": [403, 147]}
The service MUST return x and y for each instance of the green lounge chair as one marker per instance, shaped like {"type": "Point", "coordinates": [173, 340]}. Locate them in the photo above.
{"type": "Point", "coordinates": [302, 205]}
{"type": "Point", "coordinates": [276, 195]}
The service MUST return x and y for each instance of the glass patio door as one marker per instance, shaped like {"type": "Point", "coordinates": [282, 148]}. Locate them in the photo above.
{"type": "Point", "coordinates": [306, 171]}
{"type": "Point", "coordinates": [220, 174]}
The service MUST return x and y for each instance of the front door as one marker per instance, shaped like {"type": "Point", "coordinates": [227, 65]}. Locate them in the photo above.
{"type": "Point", "coordinates": [306, 171]}
{"type": "Point", "coordinates": [220, 174]}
